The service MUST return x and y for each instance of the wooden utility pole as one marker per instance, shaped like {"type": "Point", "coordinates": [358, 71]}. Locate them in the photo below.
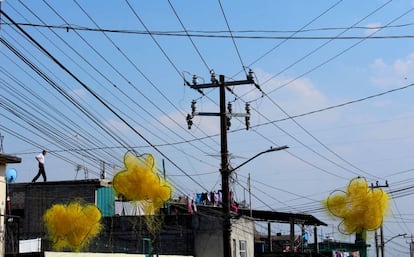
{"type": "Point", "coordinates": [103, 173]}
{"type": "Point", "coordinates": [250, 197]}
{"type": "Point", "coordinates": [381, 244]}
{"type": "Point", "coordinates": [224, 126]}
{"type": "Point", "coordinates": [411, 246]}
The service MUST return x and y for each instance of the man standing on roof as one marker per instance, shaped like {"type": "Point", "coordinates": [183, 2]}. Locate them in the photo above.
{"type": "Point", "coordinates": [41, 160]}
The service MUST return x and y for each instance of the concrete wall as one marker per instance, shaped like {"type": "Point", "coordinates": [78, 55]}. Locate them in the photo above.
{"type": "Point", "coordinates": [208, 238]}
{"type": "Point", "coordinates": [4, 160]}
{"type": "Point", "coordinates": [67, 254]}
{"type": "Point", "coordinates": [2, 207]}
{"type": "Point", "coordinates": [243, 230]}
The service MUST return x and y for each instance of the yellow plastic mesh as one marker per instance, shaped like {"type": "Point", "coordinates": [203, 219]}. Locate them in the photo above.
{"type": "Point", "coordinates": [72, 226]}
{"type": "Point", "coordinates": [360, 207]}
{"type": "Point", "coordinates": [139, 181]}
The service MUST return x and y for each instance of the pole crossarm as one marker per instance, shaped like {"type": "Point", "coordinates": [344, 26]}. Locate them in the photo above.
{"type": "Point", "coordinates": [206, 113]}
{"type": "Point", "coordinates": [226, 84]}
{"type": "Point", "coordinates": [218, 114]}
{"type": "Point", "coordinates": [222, 84]}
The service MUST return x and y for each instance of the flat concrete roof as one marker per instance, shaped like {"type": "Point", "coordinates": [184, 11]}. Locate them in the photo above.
{"type": "Point", "coordinates": [6, 158]}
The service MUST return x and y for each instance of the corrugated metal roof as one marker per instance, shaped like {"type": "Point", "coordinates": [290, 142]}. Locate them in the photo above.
{"type": "Point", "coordinates": [283, 217]}
{"type": "Point", "coordinates": [260, 215]}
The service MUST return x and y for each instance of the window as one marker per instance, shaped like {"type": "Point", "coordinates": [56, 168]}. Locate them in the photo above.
{"type": "Point", "coordinates": [243, 252]}
{"type": "Point", "coordinates": [234, 248]}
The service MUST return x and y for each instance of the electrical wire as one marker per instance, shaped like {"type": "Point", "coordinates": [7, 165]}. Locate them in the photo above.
{"type": "Point", "coordinates": [232, 37]}
{"type": "Point", "coordinates": [98, 98]}
{"type": "Point", "coordinates": [259, 125]}
{"type": "Point", "coordinates": [188, 36]}
{"type": "Point", "coordinates": [207, 34]}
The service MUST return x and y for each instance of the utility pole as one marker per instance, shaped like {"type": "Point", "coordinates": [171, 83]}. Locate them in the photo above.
{"type": "Point", "coordinates": [102, 175]}
{"type": "Point", "coordinates": [1, 138]}
{"type": "Point", "coordinates": [381, 245]}
{"type": "Point", "coordinates": [250, 197]}
{"type": "Point", "coordinates": [411, 246]}
{"type": "Point", "coordinates": [224, 126]}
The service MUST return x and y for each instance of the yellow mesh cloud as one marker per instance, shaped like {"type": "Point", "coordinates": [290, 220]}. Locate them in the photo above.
{"type": "Point", "coordinates": [360, 207]}
{"type": "Point", "coordinates": [139, 181]}
{"type": "Point", "coordinates": [72, 226]}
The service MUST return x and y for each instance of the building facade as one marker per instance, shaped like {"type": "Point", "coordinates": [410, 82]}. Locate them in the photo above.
{"type": "Point", "coordinates": [125, 228]}
{"type": "Point", "coordinates": [174, 231]}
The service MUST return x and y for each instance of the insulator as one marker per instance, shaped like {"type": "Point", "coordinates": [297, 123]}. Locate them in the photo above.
{"type": "Point", "coordinates": [228, 122]}
{"type": "Point", "coordinates": [247, 122]}
{"type": "Point", "coordinates": [193, 107]}
{"type": "Point", "coordinates": [189, 121]}
{"type": "Point", "coordinates": [230, 107]}
{"type": "Point", "coordinates": [195, 79]}
{"type": "Point", "coordinates": [250, 75]}
{"type": "Point", "coordinates": [213, 76]}
{"type": "Point", "coordinates": [247, 108]}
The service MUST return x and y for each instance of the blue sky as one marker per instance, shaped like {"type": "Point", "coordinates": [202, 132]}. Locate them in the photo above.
{"type": "Point", "coordinates": [337, 78]}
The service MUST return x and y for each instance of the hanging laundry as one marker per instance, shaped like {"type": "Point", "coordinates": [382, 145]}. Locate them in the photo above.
{"type": "Point", "coordinates": [189, 205]}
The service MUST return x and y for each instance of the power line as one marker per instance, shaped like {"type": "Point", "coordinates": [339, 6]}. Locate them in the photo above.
{"type": "Point", "coordinates": [232, 37]}
{"type": "Point", "coordinates": [340, 52]}
{"type": "Point", "coordinates": [147, 98]}
{"type": "Point", "coordinates": [59, 89]}
{"type": "Point", "coordinates": [97, 97]}
{"type": "Point", "coordinates": [115, 86]}
{"type": "Point", "coordinates": [296, 32]}
{"type": "Point", "coordinates": [338, 105]}
{"type": "Point", "coordinates": [68, 126]}
{"type": "Point", "coordinates": [207, 33]}
{"type": "Point", "coordinates": [188, 35]}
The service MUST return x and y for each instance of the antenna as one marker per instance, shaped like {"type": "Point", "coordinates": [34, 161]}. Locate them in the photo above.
{"type": "Point", "coordinates": [82, 167]}
{"type": "Point", "coordinates": [102, 175]}
{"type": "Point", "coordinates": [1, 141]}
{"type": "Point", "coordinates": [77, 169]}
{"type": "Point", "coordinates": [86, 172]}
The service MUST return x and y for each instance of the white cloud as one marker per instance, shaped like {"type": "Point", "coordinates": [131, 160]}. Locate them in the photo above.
{"type": "Point", "coordinates": [299, 95]}
{"type": "Point", "coordinates": [372, 28]}
{"type": "Point", "coordinates": [394, 74]}
{"type": "Point", "coordinates": [80, 93]}
{"type": "Point", "coordinates": [305, 89]}
{"type": "Point", "coordinates": [118, 125]}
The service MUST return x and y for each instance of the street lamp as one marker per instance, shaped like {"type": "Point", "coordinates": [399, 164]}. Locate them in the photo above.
{"type": "Point", "coordinates": [225, 174]}
{"type": "Point", "coordinates": [271, 149]}
{"type": "Point", "coordinates": [394, 237]}
{"type": "Point", "coordinates": [383, 243]}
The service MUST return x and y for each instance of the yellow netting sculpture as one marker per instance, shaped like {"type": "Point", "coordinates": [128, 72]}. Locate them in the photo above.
{"type": "Point", "coordinates": [139, 181]}
{"type": "Point", "coordinates": [361, 208]}
{"type": "Point", "coordinates": [72, 225]}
